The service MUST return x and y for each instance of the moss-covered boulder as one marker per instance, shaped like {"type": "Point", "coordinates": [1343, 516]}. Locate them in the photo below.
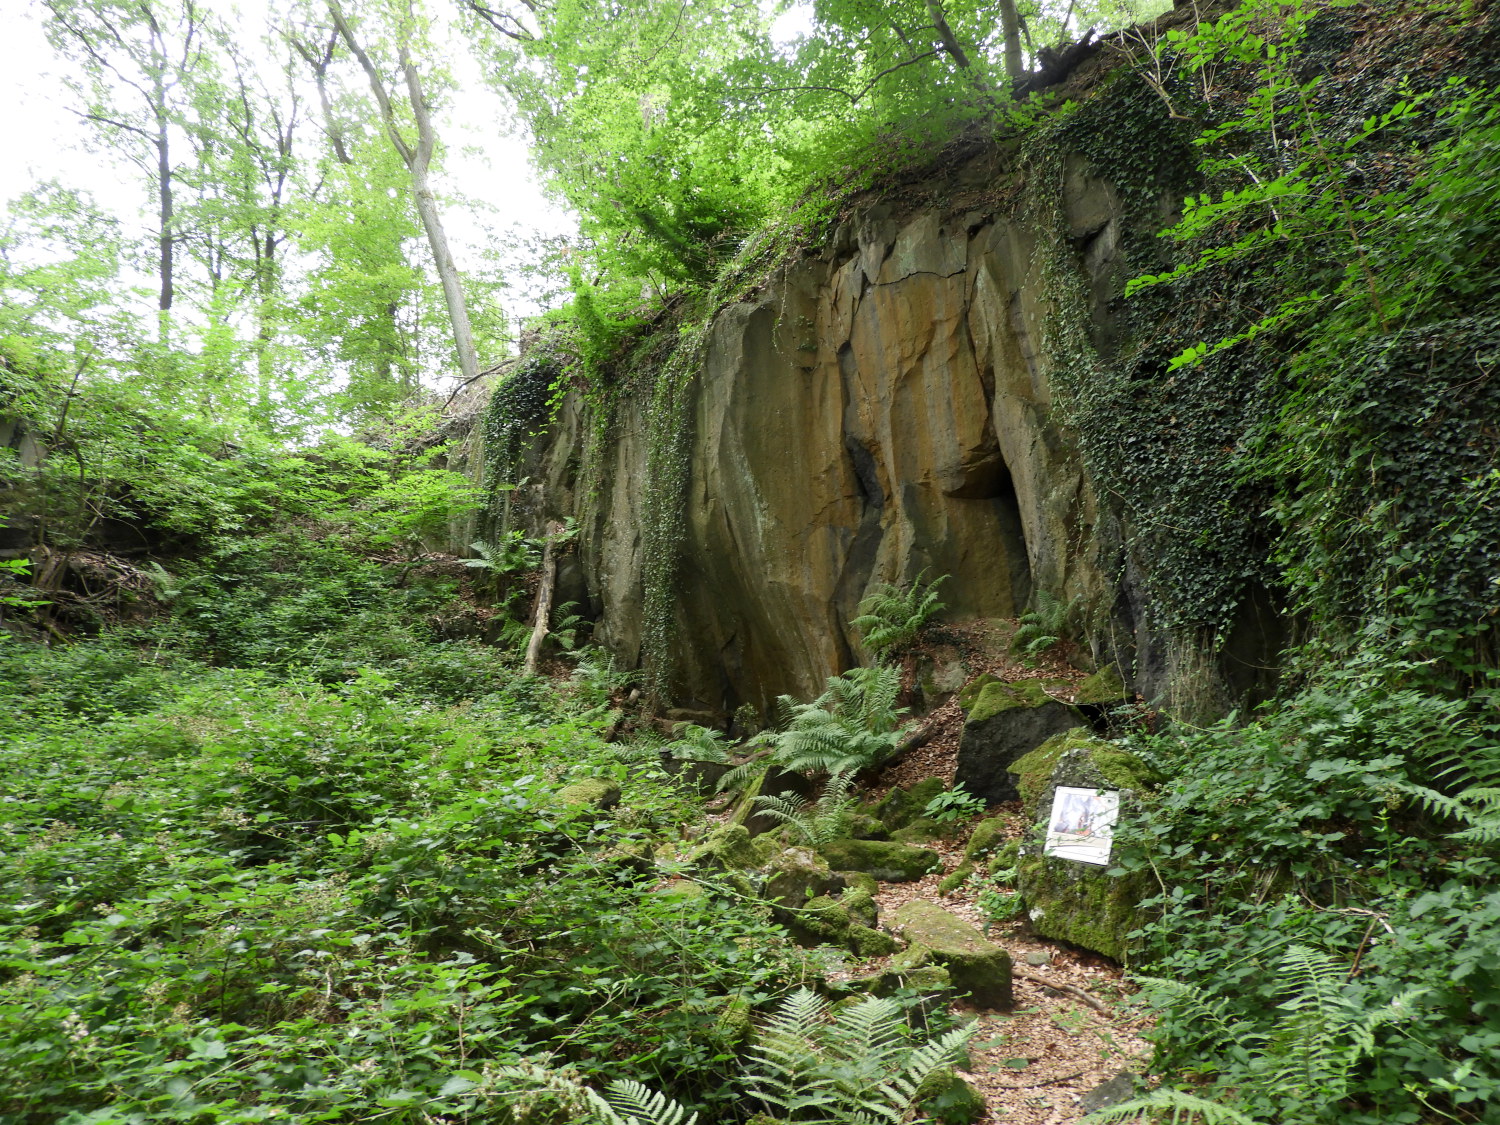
{"type": "Point", "coordinates": [728, 848]}
{"type": "Point", "coordinates": [976, 966]}
{"type": "Point", "coordinates": [1002, 722]}
{"type": "Point", "coordinates": [985, 838]}
{"type": "Point", "coordinates": [795, 875]}
{"type": "Point", "coordinates": [867, 941]}
{"type": "Point", "coordinates": [678, 890]}
{"type": "Point", "coordinates": [956, 878]}
{"type": "Point", "coordinates": [922, 830]}
{"type": "Point", "coordinates": [848, 920]}
{"type": "Point", "coordinates": [1070, 900]}
{"type": "Point", "coordinates": [946, 1098]}
{"type": "Point", "coordinates": [732, 1026]}
{"type": "Point", "coordinates": [865, 827]}
{"type": "Point", "coordinates": [1032, 772]}
{"type": "Point", "coordinates": [900, 807]}
{"type": "Point", "coordinates": [887, 860]}
{"type": "Point", "coordinates": [1104, 688]}
{"type": "Point", "coordinates": [591, 792]}
{"type": "Point", "coordinates": [860, 881]}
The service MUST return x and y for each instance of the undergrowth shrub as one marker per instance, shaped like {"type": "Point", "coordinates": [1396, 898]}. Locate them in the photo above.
{"type": "Point", "coordinates": [1301, 831]}
{"type": "Point", "coordinates": [237, 896]}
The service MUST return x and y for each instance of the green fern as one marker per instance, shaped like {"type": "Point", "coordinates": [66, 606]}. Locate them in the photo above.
{"type": "Point", "coordinates": [1043, 627]}
{"type": "Point", "coordinates": [1477, 808]}
{"type": "Point", "coordinates": [1174, 1106]}
{"type": "Point", "coordinates": [851, 726]}
{"type": "Point", "coordinates": [699, 744]}
{"type": "Point", "coordinates": [817, 822]}
{"type": "Point", "coordinates": [891, 617]}
{"type": "Point", "coordinates": [811, 1065]}
{"type": "Point", "coordinates": [855, 1066]}
{"type": "Point", "coordinates": [628, 1102]}
{"type": "Point", "coordinates": [624, 1102]}
{"type": "Point", "coordinates": [1306, 1062]}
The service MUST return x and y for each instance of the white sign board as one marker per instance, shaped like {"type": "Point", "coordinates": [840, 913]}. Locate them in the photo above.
{"type": "Point", "coordinates": [1082, 824]}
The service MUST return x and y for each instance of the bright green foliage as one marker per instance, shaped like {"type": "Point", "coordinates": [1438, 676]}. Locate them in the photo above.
{"type": "Point", "coordinates": [851, 1066]}
{"type": "Point", "coordinates": [849, 727]}
{"type": "Point", "coordinates": [815, 822]}
{"type": "Point", "coordinates": [1298, 831]}
{"type": "Point", "coordinates": [891, 618]}
{"type": "Point", "coordinates": [1044, 627]}
{"type": "Point", "coordinates": [858, 1064]}
{"type": "Point", "coordinates": [233, 894]}
{"type": "Point", "coordinates": [953, 807]}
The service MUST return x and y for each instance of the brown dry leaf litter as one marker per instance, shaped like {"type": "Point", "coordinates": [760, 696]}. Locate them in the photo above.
{"type": "Point", "coordinates": [1033, 1063]}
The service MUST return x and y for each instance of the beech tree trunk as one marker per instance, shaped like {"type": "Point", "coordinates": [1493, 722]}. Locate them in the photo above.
{"type": "Point", "coordinates": [417, 158]}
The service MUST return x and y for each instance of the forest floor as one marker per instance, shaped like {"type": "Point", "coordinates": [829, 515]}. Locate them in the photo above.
{"type": "Point", "coordinates": [1035, 1063]}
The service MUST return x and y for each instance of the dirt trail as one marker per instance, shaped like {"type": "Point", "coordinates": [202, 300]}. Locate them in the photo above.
{"type": "Point", "coordinates": [1035, 1062]}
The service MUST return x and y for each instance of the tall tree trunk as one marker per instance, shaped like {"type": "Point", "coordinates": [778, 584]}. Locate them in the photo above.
{"type": "Point", "coordinates": [437, 239]}
{"type": "Point", "coordinates": [165, 239]}
{"type": "Point", "coordinates": [955, 49]}
{"type": "Point", "coordinates": [543, 603]}
{"type": "Point", "coordinates": [1010, 30]}
{"type": "Point", "coordinates": [417, 159]}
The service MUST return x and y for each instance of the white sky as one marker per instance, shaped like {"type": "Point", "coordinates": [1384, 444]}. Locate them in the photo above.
{"type": "Point", "coordinates": [41, 140]}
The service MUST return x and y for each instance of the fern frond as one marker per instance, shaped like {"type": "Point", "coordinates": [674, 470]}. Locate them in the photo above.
{"type": "Point", "coordinates": [742, 776]}
{"type": "Point", "coordinates": [1192, 1002]}
{"type": "Point", "coordinates": [636, 1102]}
{"type": "Point", "coordinates": [1185, 1109]}
{"type": "Point", "coordinates": [949, 1049]}
{"type": "Point", "coordinates": [699, 744]}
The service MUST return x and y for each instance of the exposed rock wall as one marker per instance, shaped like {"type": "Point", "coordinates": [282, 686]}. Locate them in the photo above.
{"type": "Point", "coordinates": [877, 410]}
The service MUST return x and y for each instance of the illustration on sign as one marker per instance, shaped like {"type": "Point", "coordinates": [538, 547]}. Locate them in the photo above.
{"type": "Point", "coordinates": [1082, 824]}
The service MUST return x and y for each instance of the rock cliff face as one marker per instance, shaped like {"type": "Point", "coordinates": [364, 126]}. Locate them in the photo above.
{"type": "Point", "coordinates": [878, 410]}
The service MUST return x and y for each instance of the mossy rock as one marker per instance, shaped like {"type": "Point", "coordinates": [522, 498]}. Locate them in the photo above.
{"type": "Point", "coordinates": [995, 696]}
{"type": "Point", "coordinates": [795, 875]}
{"type": "Point", "coordinates": [977, 966]}
{"type": "Point", "coordinates": [860, 905]}
{"type": "Point", "coordinates": [1104, 688]}
{"type": "Point", "coordinates": [1033, 771]}
{"type": "Point", "coordinates": [679, 890]}
{"type": "Point", "coordinates": [1077, 903]}
{"type": "Point", "coordinates": [920, 792]}
{"type": "Point", "coordinates": [1006, 858]}
{"type": "Point", "coordinates": [860, 881]}
{"type": "Point", "coordinates": [955, 878]}
{"type": "Point", "coordinates": [732, 1027]}
{"type": "Point", "coordinates": [591, 792]}
{"type": "Point", "coordinates": [864, 827]}
{"type": "Point", "coordinates": [1005, 723]}
{"type": "Point", "coordinates": [946, 1098]}
{"type": "Point", "coordinates": [923, 976]}
{"type": "Point", "coordinates": [987, 835]}
{"type": "Point", "coordinates": [888, 861]}
{"type": "Point", "coordinates": [971, 691]}
{"type": "Point", "coordinates": [1081, 902]}
{"type": "Point", "coordinates": [922, 830]}
{"type": "Point", "coordinates": [848, 920]}
{"type": "Point", "coordinates": [866, 941]}
{"type": "Point", "coordinates": [900, 807]}
{"type": "Point", "coordinates": [728, 848]}
{"type": "Point", "coordinates": [819, 921]}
